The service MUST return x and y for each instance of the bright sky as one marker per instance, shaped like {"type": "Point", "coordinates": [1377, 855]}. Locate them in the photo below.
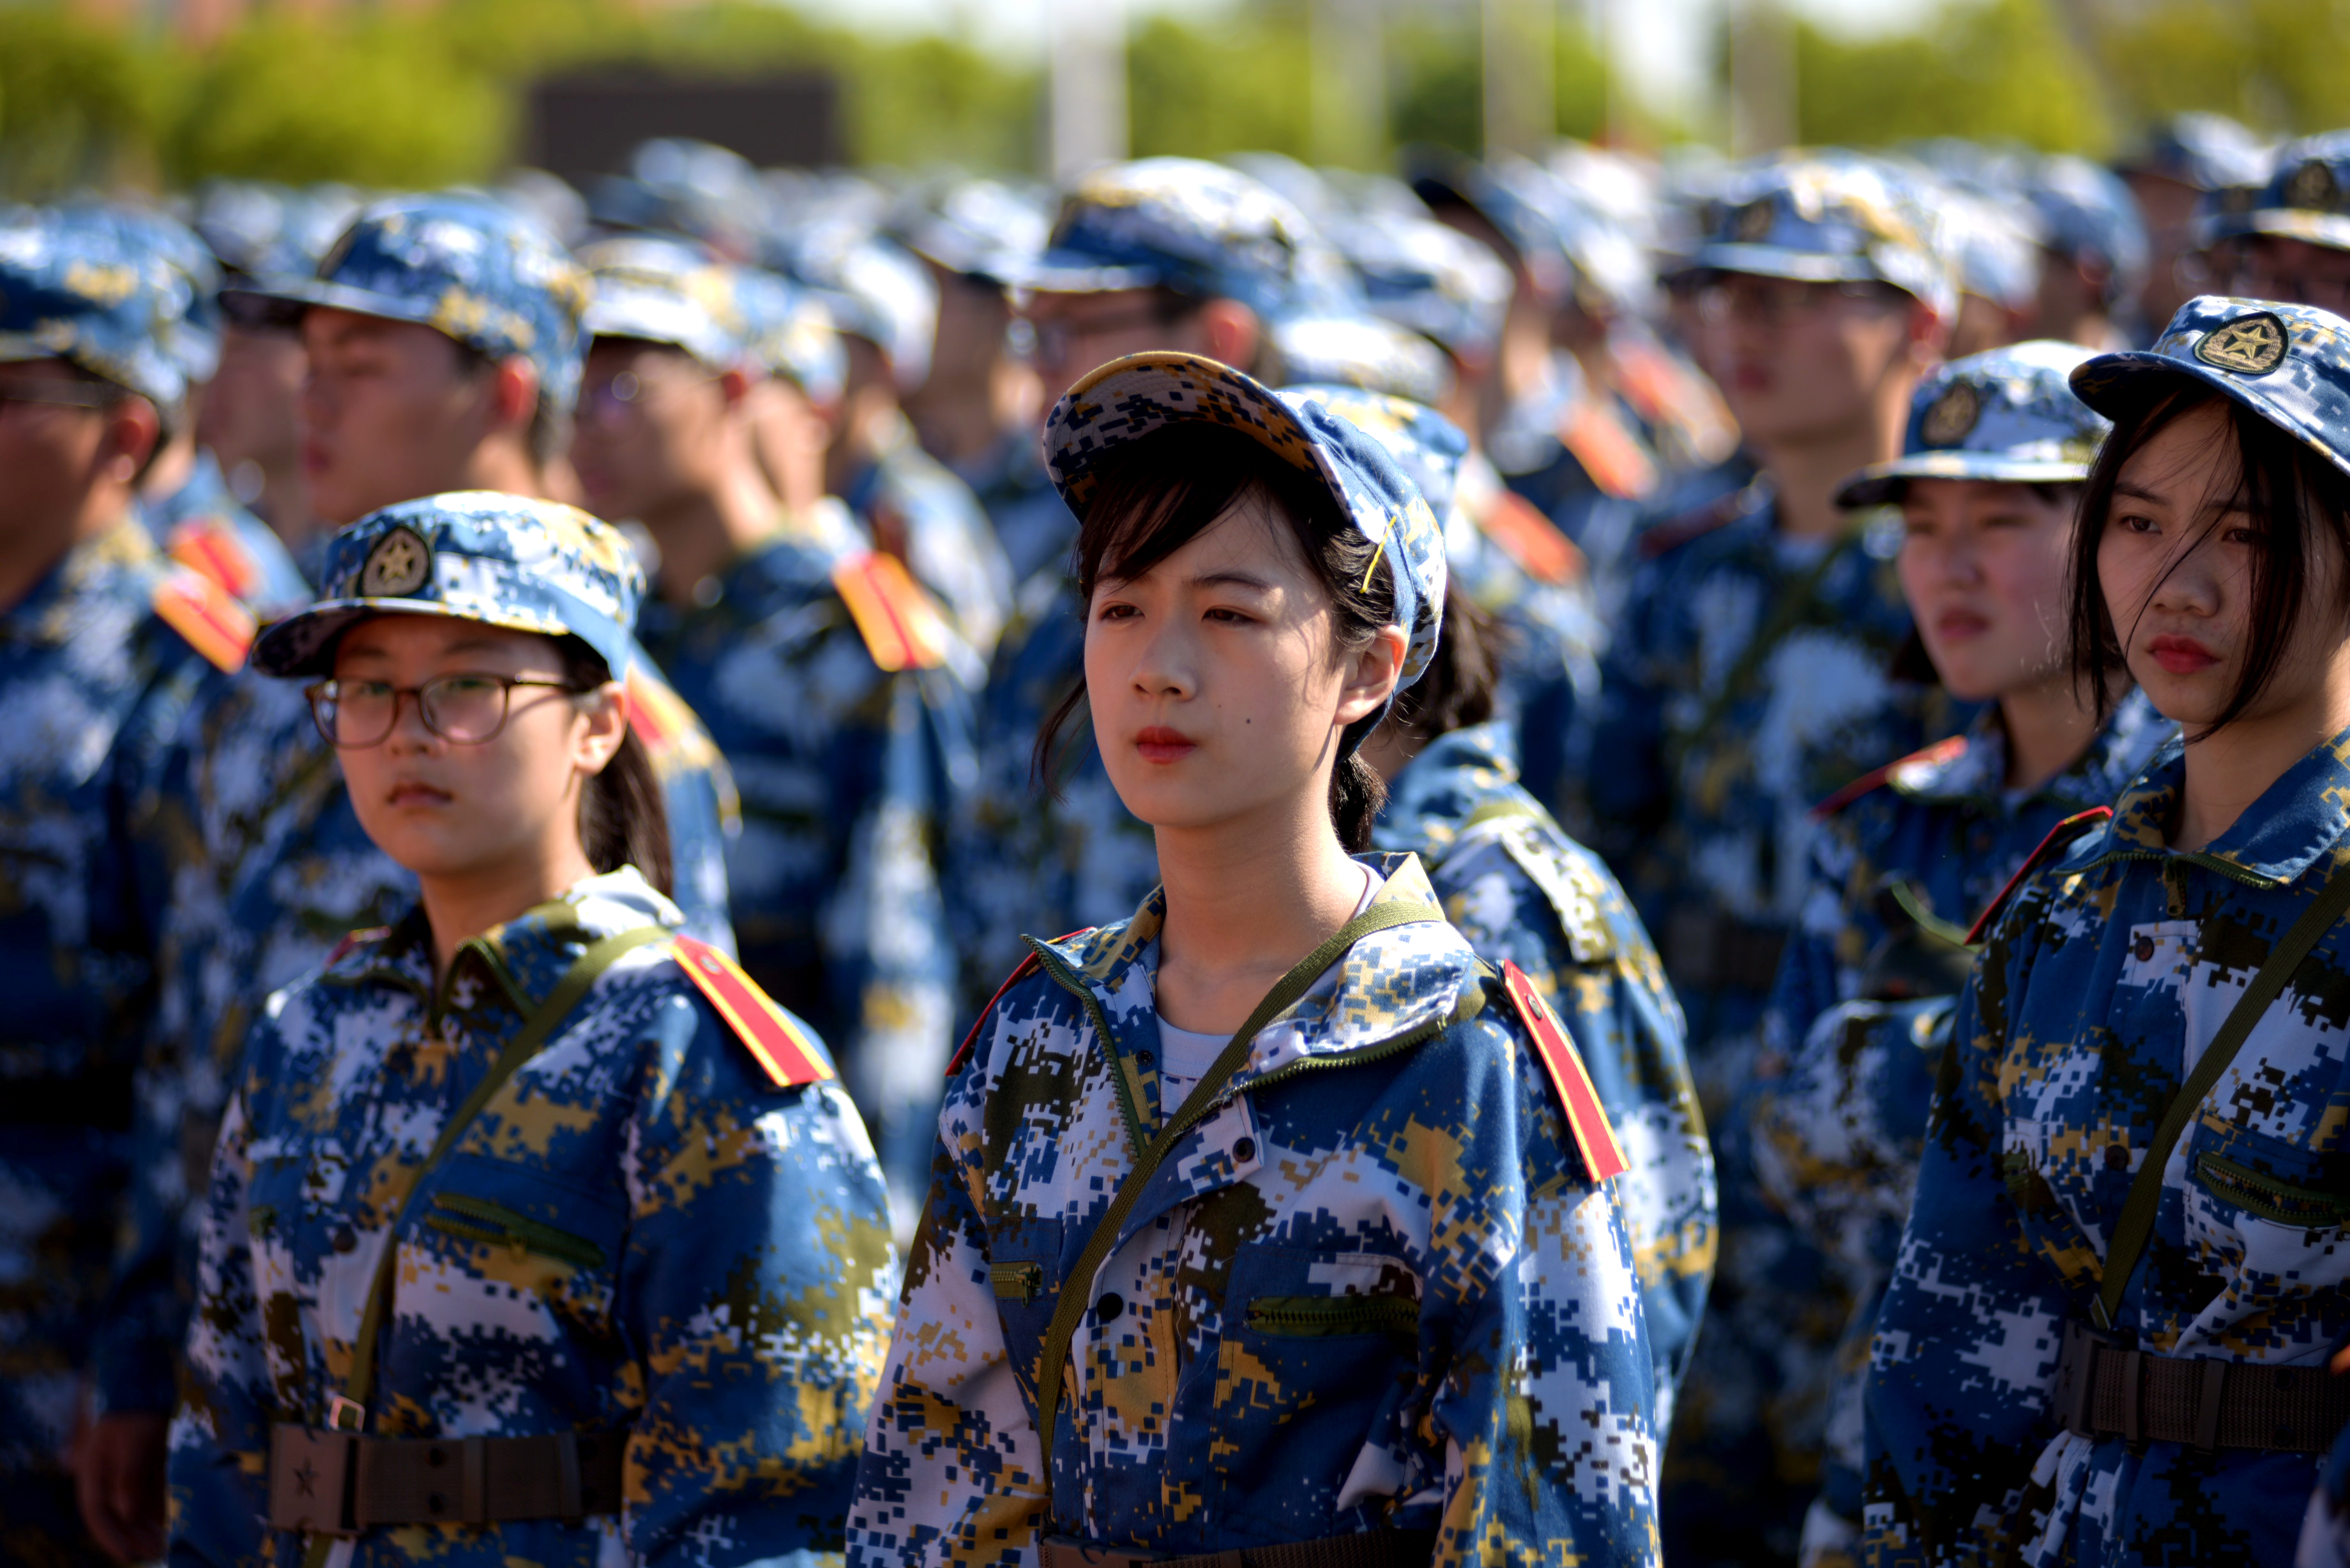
{"type": "Point", "coordinates": [1664, 53]}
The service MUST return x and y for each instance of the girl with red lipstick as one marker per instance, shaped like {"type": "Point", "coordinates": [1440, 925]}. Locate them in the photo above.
{"type": "Point", "coordinates": [2123, 1275]}
{"type": "Point", "coordinates": [1270, 1220]}
{"type": "Point", "coordinates": [1907, 856]}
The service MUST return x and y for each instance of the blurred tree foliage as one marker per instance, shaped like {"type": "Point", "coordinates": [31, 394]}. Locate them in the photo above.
{"type": "Point", "coordinates": [2002, 69]}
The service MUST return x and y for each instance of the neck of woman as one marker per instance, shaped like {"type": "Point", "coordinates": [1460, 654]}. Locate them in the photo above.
{"type": "Point", "coordinates": [2231, 768]}
{"type": "Point", "coordinates": [1245, 902]}
{"type": "Point", "coordinates": [2048, 729]}
{"type": "Point", "coordinates": [460, 906]}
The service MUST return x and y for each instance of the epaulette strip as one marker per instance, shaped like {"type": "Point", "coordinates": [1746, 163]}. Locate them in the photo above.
{"type": "Point", "coordinates": [2060, 837]}
{"type": "Point", "coordinates": [1586, 1119]}
{"type": "Point", "coordinates": [1608, 449]}
{"type": "Point", "coordinates": [1949, 749]}
{"type": "Point", "coordinates": [777, 1041]}
{"type": "Point", "coordinates": [207, 545]}
{"type": "Point", "coordinates": [1027, 967]}
{"type": "Point", "coordinates": [202, 612]}
{"type": "Point", "coordinates": [902, 627]}
{"type": "Point", "coordinates": [1673, 532]}
{"type": "Point", "coordinates": [1520, 531]}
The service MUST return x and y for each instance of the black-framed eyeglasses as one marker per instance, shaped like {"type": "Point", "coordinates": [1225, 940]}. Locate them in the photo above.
{"type": "Point", "coordinates": [61, 394]}
{"type": "Point", "coordinates": [466, 709]}
{"type": "Point", "coordinates": [626, 391]}
{"type": "Point", "coordinates": [1775, 301]}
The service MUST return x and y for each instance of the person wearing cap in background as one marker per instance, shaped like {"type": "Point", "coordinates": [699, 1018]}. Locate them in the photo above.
{"type": "Point", "coordinates": [249, 419]}
{"type": "Point", "coordinates": [886, 309]}
{"type": "Point", "coordinates": [535, 1231]}
{"type": "Point", "coordinates": [834, 684]}
{"type": "Point", "coordinates": [2094, 253]}
{"type": "Point", "coordinates": [184, 500]}
{"type": "Point", "coordinates": [2107, 1334]}
{"type": "Point", "coordinates": [1909, 854]}
{"type": "Point", "coordinates": [1522, 891]}
{"type": "Point", "coordinates": [103, 640]}
{"type": "Point", "coordinates": [443, 339]}
{"type": "Point", "coordinates": [1161, 254]}
{"type": "Point", "coordinates": [2288, 237]}
{"type": "Point", "coordinates": [1267, 1220]}
{"type": "Point", "coordinates": [1999, 268]}
{"type": "Point", "coordinates": [2184, 161]}
{"type": "Point", "coordinates": [1748, 676]}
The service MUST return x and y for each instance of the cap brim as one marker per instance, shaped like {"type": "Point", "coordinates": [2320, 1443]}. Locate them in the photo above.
{"type": "Point", "coordinates": [285, 304]}
{"type": "Point", "coordinates": [1884, 483]}
{"type": "Point", "coordinates": [1074, 272]}
{"type": "Point", "coordinates": [304, 642]}
{"type": "Point", "coordinates": [2293, 224]}
{"type": "Point", "coordinates": [2115, 384]}
{"type": "Point", "coordinates": [1144, 380]}
{"type": "Point", "coordinates": [1776, 260]}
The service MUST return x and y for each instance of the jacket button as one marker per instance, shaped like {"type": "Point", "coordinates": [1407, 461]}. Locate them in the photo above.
{"type": "Point", "coordinates": [2144, 950]}
{"type": "Point", "coordinates": [434, 1502]}
{"type": "Point", "coordinates": [1245, 1150]}
{"type": "Point", "coordinates": [343, 1238]}
{"type": "Point", "coordinates": [1142, 1058]}
{"type": "Point", "coordinates": [436, 1456]}
{"type": "Point", "coordinates": [2116, 1156]}
{"type": "Point", "coordinates": [1107, 1309]}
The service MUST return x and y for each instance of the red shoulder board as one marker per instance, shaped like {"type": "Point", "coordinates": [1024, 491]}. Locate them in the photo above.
{"type": "Point", "coordinates": [352, 940]}
{"type": "Point", "coordinates": [783, 1047]}
{"type": "Point", "coordinates": [207, 545]}
{"type": "Point", "coordinates": [1602, 1156]}
{"type": "Point", "coordinates": [1608, 449]}
{"type": "Point", "coordinates": [1520, 532]}
{"type": "Point", "coordinates": [1673, 532]}
{"type": "Point", "coordinates": [199, 610]}
{"type": "Point", "coordinates": [1941, 751]}
{"type": "Point", "coordinates": [1028, 966]}
{"type": "Point", "coordinates": [900, 625]}
{"type": "Point", "coordinates": [2060, 838]}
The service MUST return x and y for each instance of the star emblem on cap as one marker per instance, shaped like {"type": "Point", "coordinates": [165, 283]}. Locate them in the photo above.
{"type": "Point", "coordinates": [2312, 186]}
{"type": "Point", "coordinates": [1753, 221]}
{"type": "Point", "coordinates": [2248, 346]}
{"type": "Point", "coordinates": [400, 563]}
{"type": "Point", "coordinates": [1953, 415]}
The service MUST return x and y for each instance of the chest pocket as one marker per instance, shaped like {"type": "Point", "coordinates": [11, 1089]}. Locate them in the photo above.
{"type": "Point", "coordinates": [526, 1229]}
{"type": "Point", "coordinates": [1024, 1270]}
{"type": "Point", "coordinates": [2269, 1217]}
{"type": "Point", "coordinates": [1319, 1360]}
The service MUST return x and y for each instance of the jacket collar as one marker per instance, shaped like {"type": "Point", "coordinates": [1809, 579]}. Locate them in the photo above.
{"type": "Point", "coordinates": [2131, 734]}
{"type": "Point", "coordinates": [1389, 983]}
{"type": "Point", "coordinates": [2297, 820]}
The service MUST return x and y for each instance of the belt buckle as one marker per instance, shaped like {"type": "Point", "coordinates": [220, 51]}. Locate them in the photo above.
{"type": "Point", "coordinates": [310, 1476]}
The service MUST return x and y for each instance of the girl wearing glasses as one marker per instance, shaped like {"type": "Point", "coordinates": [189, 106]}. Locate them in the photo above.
{"type": "Point", "coordinates": [1259, 1222]}
{"type": "Point", "coordinates": [534, 1230]}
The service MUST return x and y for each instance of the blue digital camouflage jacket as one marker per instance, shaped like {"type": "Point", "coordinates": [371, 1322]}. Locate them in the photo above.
{"type": "Point", "coordinates": [204, 526]}
{"type": "Point", "coordinates": [1373, 1286]}
{"type": "Point", "coordinates": [1032, 525]}
{"type": "Point", "coordinates": [638, 1230]}
{"type": "Point", "coordinates": [1522, 891]}
{"type": "Point", "coordinates": [847, 773]}
{"type": "Point", "coordinates": [916, 509]}
{"type": "Point", "coordinates": [2104, 978]}
{"type": "Point", "coordinates": [1838, 1108]}
{"type": "Point", "coordinates": [92, 681]}
{"type": "Point", "coordinates": [268, 867]}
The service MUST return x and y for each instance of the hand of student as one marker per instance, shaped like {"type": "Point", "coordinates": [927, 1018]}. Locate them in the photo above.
{"type": "Point", "coordinates": [118, 1473]}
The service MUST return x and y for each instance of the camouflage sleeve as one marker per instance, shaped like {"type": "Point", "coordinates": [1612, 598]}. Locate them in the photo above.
{"type": "Point", "coordinates": [1545, 1408]}
{"type": "Point", "coordinates": [220, 1434]}
{"type": "Point", "coordinates": [1622, 762]}
{"type": "Point", "coordinates": [951, 1458]}
{"type": "Point", "coordinates": [1966, 1340]}
{"type": "Point", "coordinates": [754, 1288]}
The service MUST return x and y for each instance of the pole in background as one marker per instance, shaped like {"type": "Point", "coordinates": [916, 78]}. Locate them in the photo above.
{"type": "Point", "coordinates": [1520, 74]}
{"type": "Point", "coordinates": [1762, 78]}
{"type": "Point", "coordinates": [1088, 86]}
{"type": "Point", "coordinates": [1347, 40]}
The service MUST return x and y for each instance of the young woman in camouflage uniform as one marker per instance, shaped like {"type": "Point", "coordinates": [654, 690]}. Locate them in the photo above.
{"type": "Point", "coordinates": [535, 1233]}
{"type": "Point", "coordinates": [1268, 1219]}
{"type": "Point", "coordinates": [2107, 1337]}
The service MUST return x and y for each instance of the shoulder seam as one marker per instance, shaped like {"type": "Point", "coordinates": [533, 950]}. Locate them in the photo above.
{"type": "Point", "coordinates": [2060, 838]}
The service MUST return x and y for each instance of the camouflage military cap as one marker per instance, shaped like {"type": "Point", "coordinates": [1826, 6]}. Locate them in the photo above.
{"type": "Point", "coordinates": [681, 187]}
{"type": "Point", "coordinates": [459, 264]}
{"type": "Point", "coordinates": [1362, 351]}
{"type": "Point", "coordinates": [270, 233]}
{"type": "Point", "coordinates": [791, 334]}
{"type": "Point", "coordinates": [1129, 398]}
{"type": "Point", "coordinates": [2290, 364]}
{"type": "Point", "coordinates": [1199, 228]}
{"type": "Point", "coordinates": [665, 291]}
{"type": "Point", "coordinates": [875, 290]}
{"type": "Point", "coordinates": [1426, 445]}
{"type": "Point", "coordinates": [89, 291]}
{"type": "Point", "coordinates": [1832, 216]}
{"type": "Point", "coordinates": [2009, 414]}
{"type": "Point", "coordinates": [980, 228]}
{"type": "Point", "coordinates": [1998, 253]}
{"type": "Point", "coordinates": [2208, 151]}
{"type": "Point", "coordinates": [470, 554]}
{"type": "Point", "coordinates": [1431, 278]}
{"type": "Point", "coordinates": [2304, 196]}
{"type": "Point", "coordinates": [2088, 216]}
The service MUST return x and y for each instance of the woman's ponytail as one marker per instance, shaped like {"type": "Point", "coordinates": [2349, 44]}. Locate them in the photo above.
{"type": "Point", "coordinates": [1357, 795]}
{"type": "Point", "coordinates": [623, 816]}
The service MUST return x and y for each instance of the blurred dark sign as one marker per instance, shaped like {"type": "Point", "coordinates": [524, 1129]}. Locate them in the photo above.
{"type": "Point", "coordinates": [586, 125]}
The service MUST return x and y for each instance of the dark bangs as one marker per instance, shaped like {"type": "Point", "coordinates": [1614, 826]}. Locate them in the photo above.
{"type": "Point", "coordinates": [2290, 493]}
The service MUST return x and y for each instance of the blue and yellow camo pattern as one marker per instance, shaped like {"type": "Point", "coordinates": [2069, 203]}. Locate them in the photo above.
{"type": "Point", "coordinates": [2109, 971]}
{"type": "Point", "coordinates": [638, 1230]}
{"type": "Point", "coordinates": [2009, 414]}
{"type": "Point", "coordinates": [1850, 1048]}
{"type": "Point", "coordinates": [1522, 891]}
{"type": "Point", "coordinates": [1373, 1287]}
{"type": "Point", "coordinates": [1832, 215]}
{"type": "Point", "coordinates": [92, 681]}
{"type": "Point", "coordinates": [90, 290]}
{"type": "Point", "coordinates": [195, 522]}
{"type": "Point", "coordinates": [2305, 196]}
{"type": "Point", "coordinates": [914, 508]}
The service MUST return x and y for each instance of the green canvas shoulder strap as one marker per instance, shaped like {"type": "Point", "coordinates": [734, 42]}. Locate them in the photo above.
{"type": "Point", "coordinates": [1076, 1288]}
{"type": "Point", "coordinates": [2132, 1230]}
